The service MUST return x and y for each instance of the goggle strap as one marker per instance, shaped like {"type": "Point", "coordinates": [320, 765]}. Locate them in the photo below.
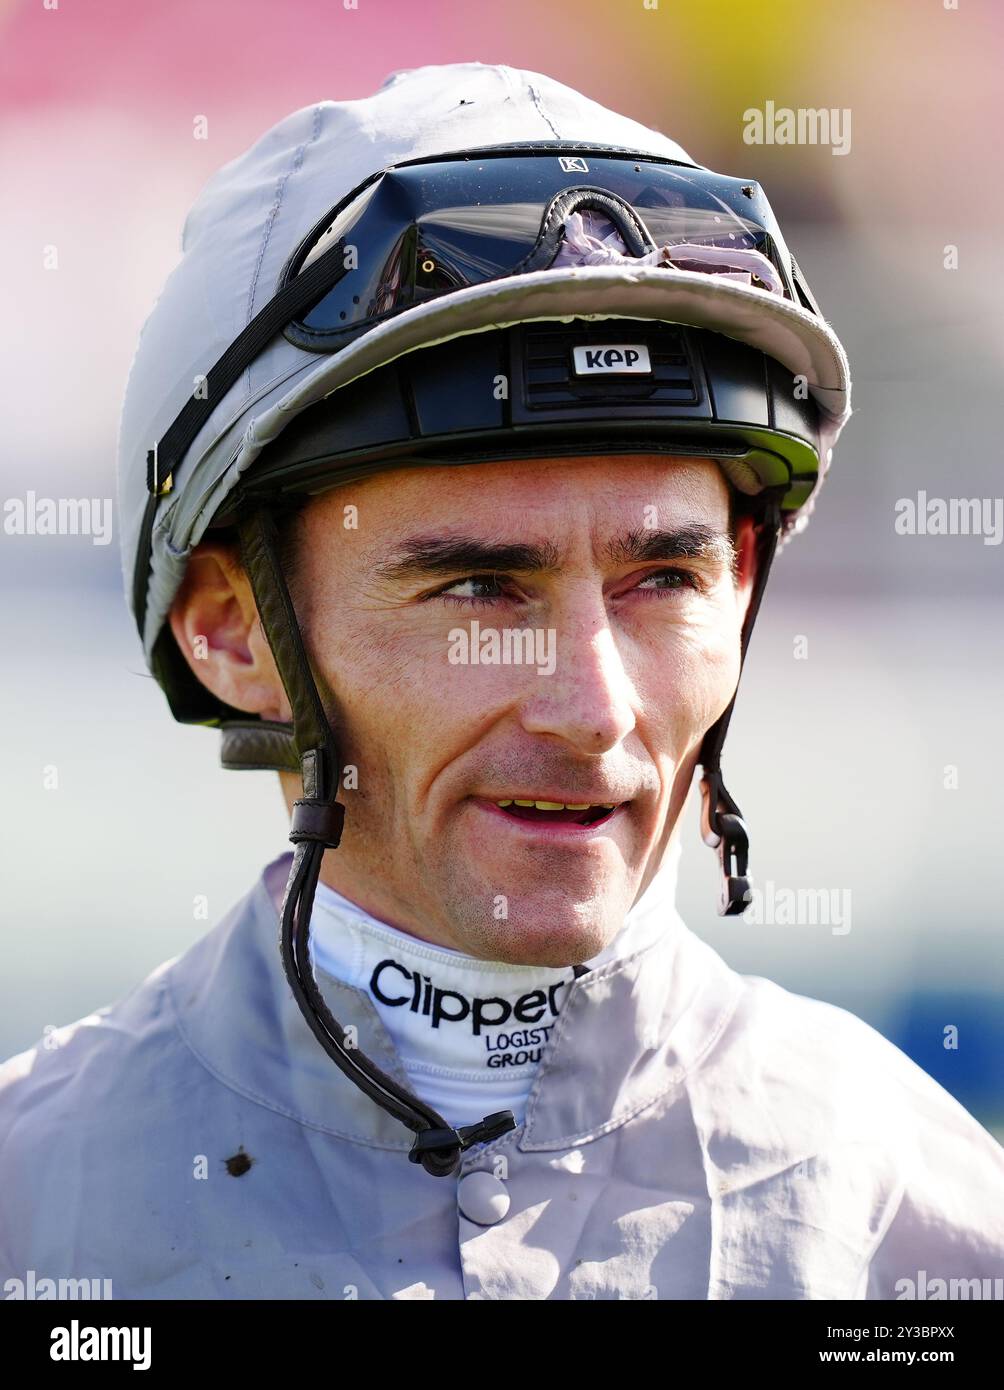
{"type": "Point", "coordinates": [291, 301]}
{"type": "Point", "coordinates": [636, 235]}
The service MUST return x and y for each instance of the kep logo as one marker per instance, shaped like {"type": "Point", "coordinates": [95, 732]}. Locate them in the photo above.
{"type": "Point", "coordinates": [617, 357]}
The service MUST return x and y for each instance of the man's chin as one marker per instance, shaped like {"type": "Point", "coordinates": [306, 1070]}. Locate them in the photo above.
{"type": "Point", "coordinates": [547, 896]}
{"type": "Point", "coordinates": [557, 934]}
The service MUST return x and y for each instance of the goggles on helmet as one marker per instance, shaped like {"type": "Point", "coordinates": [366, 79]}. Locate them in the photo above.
{"type": "Point", "coordinates": [423, 229]}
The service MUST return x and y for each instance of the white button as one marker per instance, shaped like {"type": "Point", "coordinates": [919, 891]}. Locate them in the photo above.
{"type": "Point", "coordinates": [482, 1197]}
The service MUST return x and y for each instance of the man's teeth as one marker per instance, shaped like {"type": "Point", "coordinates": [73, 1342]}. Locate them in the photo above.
{"type": "Point", "coordinates": [560, 805]}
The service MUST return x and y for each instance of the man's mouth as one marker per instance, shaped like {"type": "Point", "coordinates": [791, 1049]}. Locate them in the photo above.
{"type": "Point", "coordinates": [557, 812]}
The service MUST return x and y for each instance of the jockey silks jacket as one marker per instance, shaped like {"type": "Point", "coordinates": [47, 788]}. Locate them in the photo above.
{"type": "Point", "coordinates": [691, 1134]}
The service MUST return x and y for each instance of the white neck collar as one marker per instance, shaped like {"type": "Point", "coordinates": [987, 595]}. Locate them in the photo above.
{"type": "Point", "coordinates": [470, 1033]}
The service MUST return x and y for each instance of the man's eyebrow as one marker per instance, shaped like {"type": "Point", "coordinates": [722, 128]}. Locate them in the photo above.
{"type": "Point", "coordinates": [423, 556]}
{"type": "Point", "coordinates": [692, 542]}
{"type": "Point", "coordinates": [427, 555]}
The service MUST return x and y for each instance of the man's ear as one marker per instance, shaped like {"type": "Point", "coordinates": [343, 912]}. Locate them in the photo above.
{"type": "Point", "coordinates": [216, 625]}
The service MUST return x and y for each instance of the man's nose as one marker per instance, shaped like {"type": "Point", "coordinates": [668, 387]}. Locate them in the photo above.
{"type": "Point", "coordinates": [588, 698]}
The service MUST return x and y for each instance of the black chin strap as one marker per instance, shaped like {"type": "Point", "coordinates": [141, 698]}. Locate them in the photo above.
{"type": "Point", "coordinates": [317, 825]}
{"type": "Point", "coordinates": [722, 824]}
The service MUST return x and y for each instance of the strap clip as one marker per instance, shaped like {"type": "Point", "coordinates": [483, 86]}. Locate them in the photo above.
{"type": "Point", "coordinates": [155, 484]}
{"type": "Point", "coordinates": [723, 829]}
{"type": "Point", "coordinates": [439, 1150]}
{"type": "Point", "coordinates": [317, 820]}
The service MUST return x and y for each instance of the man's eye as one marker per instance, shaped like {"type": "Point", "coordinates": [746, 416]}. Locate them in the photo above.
{"type": "Point", "coordinates": [485, 590]}
{"type": "Point", "coordinates": [669, 579]}
{"type": "Point", "coordinates": [472, 589]}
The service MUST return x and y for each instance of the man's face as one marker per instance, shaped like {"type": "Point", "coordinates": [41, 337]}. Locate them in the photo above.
{"type": "Point", "coordinates": [609, 582]}
{"type": "Point", "coordinates": [609, 585]}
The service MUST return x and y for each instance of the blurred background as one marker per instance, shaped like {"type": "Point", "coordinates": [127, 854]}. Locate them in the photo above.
{"type": "Point", "coordinates": [865, 750]}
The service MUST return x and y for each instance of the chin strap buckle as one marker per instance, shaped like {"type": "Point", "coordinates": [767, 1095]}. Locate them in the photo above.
{"type": "Point", "coordinates": [491, 1127]}
{"type": "Point", "coordinates": [723, 829]}
{"type": "Point", "coordinates": [439, 1150]}
{"type": "Point", "coordinates": [317, 820]}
